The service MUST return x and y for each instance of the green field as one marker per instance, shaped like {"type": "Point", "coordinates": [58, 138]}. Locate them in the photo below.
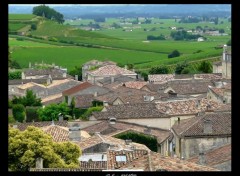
{"type": "Point", "coordinates": [112, 44]}
{"type": "Point", "coordinates": [20, 16]}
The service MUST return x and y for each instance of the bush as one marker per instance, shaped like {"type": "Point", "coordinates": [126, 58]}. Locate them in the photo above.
{"type": "Point", "coordinates": [186, 70]}
{"type": "Point", "coordinates": [11, 119]}
{"type": "Point", "coordinates": [19, 112]}
{"type": "Point", "coordinates": [180, 67]}
{"type": "Point", "coordinates": [159, 70]}
{"type": "Point", "coordinates": [31, 113]}
{"type": "Point", "coordinates": [19, 39]}
{"type": "Point", "coordinates": [205, 67]}
{"type": "Point", "coordinates": [14, 64]}
{"type": "Point", "coordinates": [89, 111]}
{"type": "Point", "coordinates": [14, 75]}
{"type": "Point", "coordinates": [174, 53]}
{"type": "Point", "coordinates": [78, 112]}
{"type": "Point", "coordinates": [33, 27]}
{"type": "Point", "coordinates": [53, 39]}
{"type": "Point", "coordinates": [149, 141]}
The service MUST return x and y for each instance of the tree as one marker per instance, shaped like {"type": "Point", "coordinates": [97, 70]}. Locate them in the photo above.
{"type": "Point", "coordinates": [14, 75]}
{"type": "Point", "coordinates": [159, 70]}
{"type": "Point", "coordinates": [205, 67]}
{"type": "Point", "coordinates": [33, 26]}
{"type": "Point", "coordinates": [174, 53]}
{"type": "Point", "coordinates": [72, 106]}
{"type": "Point", "coordinates": [76, 71]}
{"type": "Point", "coordinates": [52, 111]}
{"type": "Point", "coordinates": [25, 147]}
{"type": "Point", "coordinates": [19, 112]}
{"type": "Point", "coordinates": [180, 67]}
{"type": "Point", "coordinates": [48, 13]}
{"type": "Point", "coordinates": [29, 100]}
{"type": "Point", "coordinates": [221, 31]}
{"type": "Point", "coordinates": [229, 43]}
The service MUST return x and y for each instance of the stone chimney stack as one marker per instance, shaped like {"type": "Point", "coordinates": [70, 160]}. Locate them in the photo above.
{"type": "Point", "coordinates": [147, 130]}
{"type": "Point", "coordinates": [201, 157]}
{"type": "Point", "coordinates": [39, 163]}
{"type": "Point", "coordinates": [64, 75]}
{"type": "Point", "coordinates": [207, 126]}
{"type": "Point", "coordinates": [60, 117]}
{"type": "Point", "coordinates": [75, 133]}
{"type": "Point", "coordinates": [95, 94]}
{"type": "Point", "coordinates": [125, 67]}
{"type": "Point", "coordinates": [112, 79]}
{"type": "Point", "coordinates": [76, 77]}
{"type": "Point", "coordinates": [30, 65]}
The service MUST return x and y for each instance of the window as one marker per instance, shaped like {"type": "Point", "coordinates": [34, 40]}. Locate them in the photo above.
{"type": "Point", "coordinates": [121, 158]}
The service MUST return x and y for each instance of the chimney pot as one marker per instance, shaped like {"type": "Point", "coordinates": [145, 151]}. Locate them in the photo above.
{"type": "Point", "coordinates": [39, 163]}
{"type": "Point", "coordinates": [112, 79]}
{"type": "Point", "coordinates": [207, 126]}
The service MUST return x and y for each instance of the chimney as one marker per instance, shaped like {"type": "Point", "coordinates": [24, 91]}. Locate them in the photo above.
{"type": "Point", "coordinates": [147, 130]}
{"type": "Point", "coordinates": [39, 163]}
{"type": "Point", "coordinates": [64, 75]}
{"type": "Point", "coordinates": [112, 120]}
{"type": "Point", "coordinates": [167, 110]}
{"type": "Point", "coordinates": [95, 94]}
{"type": "Point", "coordinates": [201, 157]}
{"type": "Point", "coordinates": [207, 126]}
{"type": "Point", "coordinates": [178, 119]}
{"type": "Point", "coordinates": [76, 77]}
{"type": "Point", "coordinates": [112, 79]}
{"type": "Point", "coordinates": [105, 103]}
{"type": "Point", "coordinates": [60, 117]}
{"type": "Point", "coordinates": [30, 65]}
{"type": "Point", "coordinates": [125, 67]}
{"type": "Point", "coordinates": [128, 141]}
{"type": "Point", "coordinates": [75, 132]}
{"type": "Point", "coordinates": [198, 104]}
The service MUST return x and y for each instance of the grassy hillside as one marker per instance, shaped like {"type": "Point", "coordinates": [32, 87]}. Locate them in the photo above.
{"type": "Point", "coordinates": [20, 16]}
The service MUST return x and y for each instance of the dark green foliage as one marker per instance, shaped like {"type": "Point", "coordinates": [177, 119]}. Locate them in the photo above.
{"type": "Point", "coordinates": [174, 53]}
{"type": "Point", "coordinates": [97, 103]}
{"type": "Point", "coordinates": [31, 113]}
{"type": "Point", "coordinates": [180, 67]}
{"type": "Point", "coordinates": [11, 119]}
{"type": "Point", "coordinates": [78, 112]}
{"type": "Point", "coordinates": [29, 100]}
{"type": "Point", "coordinates": [10, 104]}
{"type": "Point", "coordinates": [89, 111]}
{"type": "Point", "coordinates": [183, 35]}
{"type": "Point", "coordinates": [52, 111]}
{"type": "Point", "coordinates": [160, 37]}
{"type": "Point", "coordinates": [48, 13]}
{"type": "Point", "coordinates": [76, 71]}
{"type": "Point", "coordinates": [159, 70]}
{"type": "Point", "coordinates": [205, 67]}
{"type": "Point", "coordinates": [19, 112]}
{"type": "Point", "coordinates": [115, 25]}
{"type": "Point", "coordinates": [229, 43]}
{"type": "Point", "coordinates": [149, 141]}
{"type": "Point", "coordinates": [130, 66]}
{"type": "Point", "coordinates": [221, 31]}
{"type": "Point", "coordinates": [15, 64]}
{"type": "Point", "coordinates": [186, 70]}
{"type": "Point", "coordinates": [14, 75]}
{"type": "Point", "coordinates": [19, 39]}
{"type": "Point", "coordinates": [144, 75]}
{"type": "Point", "coordinates": [33, 26]}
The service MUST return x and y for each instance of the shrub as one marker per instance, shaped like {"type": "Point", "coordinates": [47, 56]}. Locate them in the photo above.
{"type": "Point", "coordinates": [89, 111]}
{"type": "Point", "coordinates": [149, 141]}
{"type": "Point", "coordinates": [19, 112]}
{"type": "Point", "coordinates": [11, 119]}
{"type": "Point", "coordinates": [174, 53]}
{"type": "Point", "coordinates": [159, 70]}
{"type": "Point", "coordinates": [33, 26]}
{"type": "Point", "coordinates": [31, 113]}
{"type": "Point", "coordinates": [14, 75]}
{"type": "Point", "coordinates": [78, 112]}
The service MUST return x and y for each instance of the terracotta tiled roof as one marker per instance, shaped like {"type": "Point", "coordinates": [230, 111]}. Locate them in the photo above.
{"type": "Point", "coordinates": [113, 142]}
{"type": "Point", "coordinates": [193, 127]}
{"type": "Point", "coordinates": [224, 107]}
{"type": "Point", "coordinates": [161, 78]}
{"type": "Point", "coordinates": [134, 84]}
{"type": "Point", "coordinates": [64, 170]}
{"type": "Point", "coordinates": [77, 88]}
{"type": "Point", "coordinates": [183, 107]}
{"type": "Point", "coordinates": [218, 91]}
{"type": "Point", "coordinates": [109, 70]}
{"type": "Point", "coordinates": [58, 133]}
{"type": "Point", "coordinates": [125, 111]}
{"type": "Point", "coordinates": [209, 76]}
{"type": "Point", "coordinates": [23, 126]}
{"type": "Point", "coordinates": [57, 98]}
{"type": "Point", "coordinates": [83, 101]}
{"type": "Point", "coordinates": [151, 161]}
{"type": "Point", "coordinates": [215, 156]}
{"type": "Point", "coordinates": [112, 129]}
{"type": "Point", "coordinates": [102, 165]}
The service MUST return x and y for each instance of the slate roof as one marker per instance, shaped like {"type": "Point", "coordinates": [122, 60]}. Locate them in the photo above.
{"type": "Point", "coordinates": [184, 107]}
{"type": "Point", "coordinates": [83, 101]}
{"type": "Point", "coordinates": [109, 70]}
{"type": "Point", "coordinates": [160, 78]}
{"type": "Point", "coordinates": [130, 111]}
{"type": "Point", "coordinates": [193, 127]}
{"type": "Point", "coordinates": [23, 126]}
{"type": "Point", "coordinates": [215, 156]}
{"type": "Point", "coordinates": [77, 88]}
{"type": "Point", "coordinates": [119, 127]}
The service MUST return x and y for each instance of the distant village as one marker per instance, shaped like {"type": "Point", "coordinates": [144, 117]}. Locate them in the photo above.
{"type": "Point", "coordinates": [189, 116]}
